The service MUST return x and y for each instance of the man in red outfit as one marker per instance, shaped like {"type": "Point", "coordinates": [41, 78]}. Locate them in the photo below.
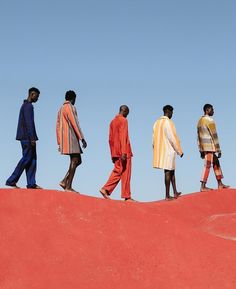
{"type": "Point", "coordinates": [121, 154]}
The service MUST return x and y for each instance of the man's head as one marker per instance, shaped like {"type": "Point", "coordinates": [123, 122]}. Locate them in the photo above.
{"type": "Point", "coordinates": [124, 110]}
{"type": "Point", "coordinates": [70, 96]}
{"type": "Point", "coordinates": [168, 111]}
{"type": "Point", "coordinates": [208, 109]}
{"type": "Point", "coordinates": [33, 94]}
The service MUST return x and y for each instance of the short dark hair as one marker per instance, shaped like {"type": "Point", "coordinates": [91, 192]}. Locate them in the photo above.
{"type": "Point", "coordinates": [33, 89]}
{"type": "Point", "coordinates": [124, 107]}
{"type": "Point", "coordinates": [207, 106]}
{"type": "Point", "coordinates": [70, 95]}
{"type": "Point", "coordinates": [168, 107]}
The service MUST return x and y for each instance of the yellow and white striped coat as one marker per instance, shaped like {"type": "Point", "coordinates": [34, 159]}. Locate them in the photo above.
{"type": "Point", "coordinates": [166, 144]}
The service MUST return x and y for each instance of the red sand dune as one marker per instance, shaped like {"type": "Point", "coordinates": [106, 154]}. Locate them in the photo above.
{"type": "Point", "coordinates": [56, 240]}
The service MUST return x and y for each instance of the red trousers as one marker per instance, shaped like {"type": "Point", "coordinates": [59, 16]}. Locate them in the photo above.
{"type": "Point", "coordinates": [211, 159]}
{"type": "Point", "coordinates": [121, 171]}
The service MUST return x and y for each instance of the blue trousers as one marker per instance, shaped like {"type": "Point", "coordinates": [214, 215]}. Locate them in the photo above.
{"type": "Point", "coordinates": [28, 163]}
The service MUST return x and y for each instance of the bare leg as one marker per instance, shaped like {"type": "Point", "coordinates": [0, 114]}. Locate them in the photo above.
{"type": "Point", "coordinates": [173, 182]}
{"type": "Point", "coordinates": [64, 181]}
{"type": "Point", "coordinates": [75, 161]}
{"type": "Point", "coordinates": [167, 184]}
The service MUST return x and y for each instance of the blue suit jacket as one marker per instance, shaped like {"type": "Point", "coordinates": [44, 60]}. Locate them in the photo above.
{"type": "Point", "coordinates": [26, 127]}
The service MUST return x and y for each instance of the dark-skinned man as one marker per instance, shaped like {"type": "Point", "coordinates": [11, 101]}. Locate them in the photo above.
{"type": "Point", "coordinates": [26, 134]}
{"type": "Point", "coordinates": [121, 155]}
{"type": "Point", "coordinates": [166, 145]}
{"type": "Point", "coordinates": [208, 144]}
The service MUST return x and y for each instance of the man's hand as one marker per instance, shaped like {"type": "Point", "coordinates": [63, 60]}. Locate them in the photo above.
{"type": "Point", "coordinates": [219, 155]}
{"type": "Point", "coordinates": [202, 154]}
{"type": "Point", "coordinates": [33, 143]}
{"type": "Point", "coordinates": [84, 143]}
{"type": "Point", "coordinates": [124, 157]}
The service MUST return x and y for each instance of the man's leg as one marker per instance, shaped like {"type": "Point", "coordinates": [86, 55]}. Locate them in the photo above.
{"type": "Point", "coordinates": [113, 180]}
{"type": "Point", "coordinates": [75, 161]}
{"type": "Point", "coordinates": [23, 163]}
{"type": "Point", "coordinates": [64, 181]}
{"type": "Point", "coordinates": [30, 169]}
{"type": "Point", "coordinates": [125, 179]}
{"type": "Point", "coordinates": [208, 160]}
{"type": "Point", "coordinates": [168, 175]}
{"type": "Point", "coordinates": [173, 182]}
{"type": "Point", "coordinates": [218, 172]}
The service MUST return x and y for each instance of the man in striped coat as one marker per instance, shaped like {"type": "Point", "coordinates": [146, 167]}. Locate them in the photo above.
{"type": "Point", "coordinates": [166, 145]}
{"type": "Point", "coordinates": [69, 135]}
{"type": "Point", "coordinates": [208, 145]}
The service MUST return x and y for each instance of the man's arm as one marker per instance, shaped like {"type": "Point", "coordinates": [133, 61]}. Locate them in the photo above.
{"type": "Point", "coordinates": [172, 137]}
{"type": "Point", "coordinates": [72, 116]}
{"type": "Point", "coordinates": [212, 130]}
{"type": "Point", "coordinates": [123, 138]}
{"type": "Point", "coordinates": [29, 122]}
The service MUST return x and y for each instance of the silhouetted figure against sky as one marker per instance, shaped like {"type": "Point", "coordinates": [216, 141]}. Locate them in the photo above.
{"type": "Point", "coordinates": [26, 134]}
{"type": "Point", "coordinates": [208, 144]}
{"type": "Point", "coordinates": [166, 145]}
{"type": "Point", "coordinates": [69, 135]}
{"type": "Point", "coordinates": [121, 154]}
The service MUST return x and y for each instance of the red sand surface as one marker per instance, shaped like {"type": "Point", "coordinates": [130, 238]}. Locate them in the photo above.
{"type": "Point", "coordinates": [56, 240]}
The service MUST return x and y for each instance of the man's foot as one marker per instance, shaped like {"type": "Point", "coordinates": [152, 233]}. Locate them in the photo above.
{"type": "Point", "coordinates": [205, 189]}
{"type": "Point", "coordinates": [222, 186]}
{"type": "Point", "coordinates": [71, 190]}
{"type": "Point", "coordinates": [169, 198]}
{"type": "Point", "coordinates": [177, 194]}
{"type": "Point", "coordinates": [36, 187]}
{"type": "Point", "coordinates": [14, 186]}
{"type": "Point", "coordinates": [104, 194]}
{"type": "Point", "coordinates": [63, 185]}
{"type": "Point", "coordinates": [129, 200]}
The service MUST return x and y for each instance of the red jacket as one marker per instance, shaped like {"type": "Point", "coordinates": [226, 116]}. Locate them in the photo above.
{"type": "Point", "coordinates": [119, 137]}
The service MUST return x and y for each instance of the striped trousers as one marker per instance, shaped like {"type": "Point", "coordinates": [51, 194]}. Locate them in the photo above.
{"type": "Point", "coordinates": [211, 159]}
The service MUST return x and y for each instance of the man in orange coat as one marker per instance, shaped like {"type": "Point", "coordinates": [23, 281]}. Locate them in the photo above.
{"type": "Point", "coordinates": [121, 154]}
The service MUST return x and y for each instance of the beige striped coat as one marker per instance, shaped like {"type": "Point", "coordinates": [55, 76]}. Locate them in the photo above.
{"type": "Point", "coordinates": [166, 144]}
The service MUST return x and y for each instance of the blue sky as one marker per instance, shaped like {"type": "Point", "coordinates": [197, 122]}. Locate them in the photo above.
{"type": "Point", "coordinates": [141, 53]}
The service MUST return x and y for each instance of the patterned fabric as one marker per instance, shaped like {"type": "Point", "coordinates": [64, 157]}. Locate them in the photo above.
{"type": "Point", "coordinates": [119, 137]}
{"type": "Point", "coordinates": [166, 144]}
{"type": "Point", "coordinates": [207, 135]}
{"type": "Point", "coordinates": [211, 159]}
{"type": "Point", "coordinates": [26, 126]}
{"type": "Point", "coordinates": [68, 130]}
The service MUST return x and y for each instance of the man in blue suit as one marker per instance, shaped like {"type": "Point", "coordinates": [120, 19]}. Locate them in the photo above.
{"type": "Point", "coordinates": [26, 134]}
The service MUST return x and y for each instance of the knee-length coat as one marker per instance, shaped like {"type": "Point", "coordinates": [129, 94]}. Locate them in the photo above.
{"type": "Point", "coordinates": [166, 144]}
{"type": "Point", "coordinates": [68, 130]}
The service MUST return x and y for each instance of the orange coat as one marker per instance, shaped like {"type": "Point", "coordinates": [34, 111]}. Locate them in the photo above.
{"type": "Point", "coordinates": [119, 137]}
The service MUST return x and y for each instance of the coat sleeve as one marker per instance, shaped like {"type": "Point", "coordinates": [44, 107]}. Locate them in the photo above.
{"type": "Point", "coordinates": [72, 116]}
{"type": "Point", "coordinates": [212, 130]}
{"type": "Point", "coordinates": [124, 136]}
{"type": "Point", "coordinates": [171, 135]}
{"type": "Point", "coordinates": [58, 128]}
{"type": "Point", "coordinates": [29, 121]}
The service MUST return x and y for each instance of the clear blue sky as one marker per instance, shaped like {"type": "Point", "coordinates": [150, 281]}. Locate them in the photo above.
{"type": "Point", "coordinates": [141, 53]}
